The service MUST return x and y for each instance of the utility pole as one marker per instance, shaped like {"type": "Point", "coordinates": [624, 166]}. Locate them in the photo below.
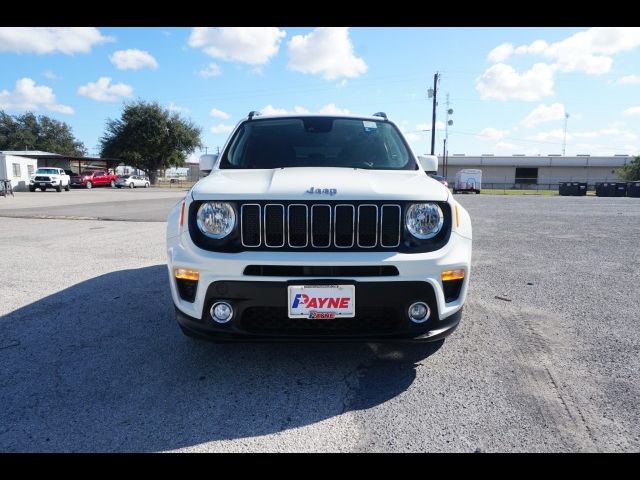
{"type": "Point", "coordinates": [444, 157]}
{"type": "Point", "coordinates": [564, 142]}
{"type": "Point", "coordinates": [434, 93]}
{"type": "Point", "coordinates": [446, 137]}
{"type": "Point", "coordinates": [206, 150]}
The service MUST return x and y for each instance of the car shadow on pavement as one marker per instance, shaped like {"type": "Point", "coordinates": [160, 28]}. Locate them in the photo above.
{"type": "Point", "coordinates": [102, 366]}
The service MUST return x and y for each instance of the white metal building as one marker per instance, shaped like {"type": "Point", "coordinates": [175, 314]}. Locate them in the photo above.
{"type": "Point", "coordinates": [18, 169]}
{"type": "Point", "coordinates": [524, 170]}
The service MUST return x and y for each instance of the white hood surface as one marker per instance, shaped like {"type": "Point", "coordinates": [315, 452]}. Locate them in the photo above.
{"type": "Point", "coordinates": [293, 184]}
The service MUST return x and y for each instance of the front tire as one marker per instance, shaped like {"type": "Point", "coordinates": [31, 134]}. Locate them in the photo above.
{"type": "Point", "coordinates": [67, 188]}
{"type": "Point", "coordinates": [146, 185]}
{"type": "Point", "coordinates": [131, 185]}
{"type": "Point", "coordinates": [59, 188]}
{"type": "Point", "coordinates": [89, 185]}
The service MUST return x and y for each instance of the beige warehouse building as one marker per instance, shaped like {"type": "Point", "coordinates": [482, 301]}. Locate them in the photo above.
{"type": "Point", "coordinates": [521, 170]}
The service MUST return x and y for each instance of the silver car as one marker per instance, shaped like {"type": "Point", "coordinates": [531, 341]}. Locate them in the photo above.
{"type": "Point", "coordinates": [132, 181]}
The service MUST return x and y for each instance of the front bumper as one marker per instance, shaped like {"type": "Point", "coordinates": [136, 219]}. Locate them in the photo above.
{"type": "Point", "coordinates": [418, 279]}
{"type": "Point", "coordinates": [49, 184]}
{"type": "Point", "coordinates": [260, 313]}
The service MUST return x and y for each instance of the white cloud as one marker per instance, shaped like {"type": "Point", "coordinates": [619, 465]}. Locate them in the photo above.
{"type": "Point", "coordinates": [500, 53]}
{"type": "Point", "coordinates": [327, 51]}
{"type": "Point", "coordinates": [427, 126]}
{"type": "Point", "coordinates": [219, 114]}
{"type": "Point", "coordinates": [50, 75]}
{"type": "Point", "coordinates": [588, 51]}
{"type": "Point", "coordinates": [332, 109]}
{"type": "Point", "coordinates": [103, 91]}
{"type": "Point", "coordinates": [252, 45]}
{"type": "Point", "coordinates": [221, 128]}
{"type": "Point", "coordinates": [42, 40]}
{"type": "Point", "coordinates": [629, 80]}
{"type": "Point", "coordinates": [544, 113]}
{"type": "Point", "coordinates": [271, 110]}
{"type": "Point", "coordinates": [29, 96]}
{"type": "Point", "coordinates": [502, 82]}
{"type": "Point", "coordinates": [413, 137]}
{"type": "Point", "coordinates": [538, 47]}
{"type": "Point", "coordinates": [632, 111]}
{"type": "Point", "coordinates": [610, 132]}
{"type": "Point", "coordinates": [133, 59]}
{"type": "Point", "coordinates": [550, 136]}
{"type": "Point", "coordinates": [212, 70]}
{"type": "Point", "coordinates": [172, 107]}
{"type": "Point", "coordinates": [57, 107]}
{"type": "Point", "coordinates": [490, 133]}
{"type": "Point", "coordinates": [511, 147]}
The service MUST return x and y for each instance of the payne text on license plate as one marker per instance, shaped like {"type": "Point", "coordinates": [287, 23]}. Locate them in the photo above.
{"type": "Point", "coordinates": [321, 301]}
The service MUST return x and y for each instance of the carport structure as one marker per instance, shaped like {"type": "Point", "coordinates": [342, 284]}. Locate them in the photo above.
{"type": "Point", "coordinates": [70, 162]}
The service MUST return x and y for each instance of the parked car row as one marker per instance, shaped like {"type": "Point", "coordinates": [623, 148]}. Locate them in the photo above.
{"type": "Point", "coordinates": [58, 179]}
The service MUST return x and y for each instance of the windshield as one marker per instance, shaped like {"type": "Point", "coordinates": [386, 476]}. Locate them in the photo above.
{"type": "Point", "coordinates": [47, 171]}
{"type": "Point", "coordinates": [318, 142]}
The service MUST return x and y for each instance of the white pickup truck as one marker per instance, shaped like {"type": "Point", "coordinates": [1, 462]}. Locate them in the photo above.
{"type": "Point", "coordinates": [49, 177]}
{"type": "Point", "coordinates": [318, 227]}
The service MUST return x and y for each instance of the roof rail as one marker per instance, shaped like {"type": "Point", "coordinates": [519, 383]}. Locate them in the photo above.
{"type": "Point", "coordinates": [380, 114]}
{"type": "Point", "coordinates": [253, 113]}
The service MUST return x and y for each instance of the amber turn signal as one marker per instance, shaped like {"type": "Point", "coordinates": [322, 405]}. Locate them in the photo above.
{"type": "Point", "coordinates": [186, 274]}
{"type": "Point", "coordinates": [448, 275]}
{"type": "Point", "coordinates": [182, 214]}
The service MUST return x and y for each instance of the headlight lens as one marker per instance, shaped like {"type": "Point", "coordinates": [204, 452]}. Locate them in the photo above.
{"type": "Point", "coordinates": [424, 220]}
{"type": "Point", "coordinates": [216, 219]}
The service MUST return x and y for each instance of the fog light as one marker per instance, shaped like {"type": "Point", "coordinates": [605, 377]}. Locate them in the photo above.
{"type": "Point", "coordinates": [419, 312]}
{"type": "Point", "coordinates": [221, 312]}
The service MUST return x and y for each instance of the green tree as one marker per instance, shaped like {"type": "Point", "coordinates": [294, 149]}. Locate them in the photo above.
{"type": "Point", "coordinates": [149, 137]}
{"type": "Point", "coordinates": [631, 171]}
{"type": "Point", "coordinates": [28, 132]}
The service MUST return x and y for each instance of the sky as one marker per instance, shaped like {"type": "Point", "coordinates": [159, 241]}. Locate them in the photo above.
{"type": "Point", "coordinates": [510, 89]}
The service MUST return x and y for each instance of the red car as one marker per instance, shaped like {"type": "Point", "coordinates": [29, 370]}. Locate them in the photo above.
{"type": "Point", "coordinates": [99, 178]}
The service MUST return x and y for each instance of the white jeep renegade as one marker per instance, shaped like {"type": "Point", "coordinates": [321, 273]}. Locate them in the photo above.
{"type": "Point", "coordinates": [318, 227]}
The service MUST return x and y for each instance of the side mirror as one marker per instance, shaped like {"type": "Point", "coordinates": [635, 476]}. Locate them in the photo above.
{"type": "Point", "coordinates": [207, 162]}
{"type": "Point", "coordinates": [429, 163]}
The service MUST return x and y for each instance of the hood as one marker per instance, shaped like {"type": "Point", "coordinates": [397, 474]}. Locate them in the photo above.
{"type": "Point", "coordinates": [328, 184]}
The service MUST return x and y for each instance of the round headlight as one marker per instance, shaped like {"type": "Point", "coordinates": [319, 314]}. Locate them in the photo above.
{"type": "Point", "coordinates": [424, 220]}
{"type": "Point", "coordinates": [216, 219]}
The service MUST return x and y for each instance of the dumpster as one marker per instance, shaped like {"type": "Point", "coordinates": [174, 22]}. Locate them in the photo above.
{"type": "Point", "coordinates": [605, 189]}
{"type": "Point", "coordinates": [565, 189]}
{"type": "Point", "coordinates": [579, 188]}
{"type": "Point", "coordinates": [633, 189]}
{"type": "Point", "coordinates": [620, 189]}
{"type": "Point", "coordinates": [572, 189]}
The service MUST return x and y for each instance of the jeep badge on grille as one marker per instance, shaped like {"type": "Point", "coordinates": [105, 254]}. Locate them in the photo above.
{"type": "Point", "coordinates": [322, 191]}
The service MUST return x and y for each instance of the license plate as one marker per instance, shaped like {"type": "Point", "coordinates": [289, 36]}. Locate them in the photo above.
{"type": "Point", "coordinates": [321, 301]}
{"type": "Point", "coordinates": [42, 184]}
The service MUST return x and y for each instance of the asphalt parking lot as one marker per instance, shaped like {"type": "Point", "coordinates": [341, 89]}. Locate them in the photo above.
{"type": "Point", "coordinates": [91, 358]}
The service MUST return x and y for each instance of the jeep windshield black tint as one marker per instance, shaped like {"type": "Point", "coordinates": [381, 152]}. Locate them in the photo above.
{"type": "Point", "coordinates": [318, 142]}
